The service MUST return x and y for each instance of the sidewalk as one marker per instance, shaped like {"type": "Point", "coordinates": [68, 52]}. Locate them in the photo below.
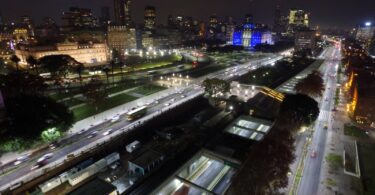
{"type": "Point", "coordinates": [335, 181]}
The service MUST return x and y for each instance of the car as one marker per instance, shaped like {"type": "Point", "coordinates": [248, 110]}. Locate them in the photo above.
{"type": "Point", "coordinates": [183, 96]}
{"type": "Point", "coordinates": [173, 99]}
{"type": "Point", "coordinates": [109, 131]}
{"type": "Point", "coordinates": [313, 154]}
{"type": "Point", "coordinates": [44, 157]}
{"type": "Point", "coordinates": [115, 118]}
{"type": "Point", "coordinates": [167, 104]}
{"type": "Point", "coordinates": [92, 134]}
{"type": "Point", "coordinates": [21, 159]}
{"type": "Point", "coordinates": [81, 131]}
{"type": "Point", "coordinates": [53, 145]}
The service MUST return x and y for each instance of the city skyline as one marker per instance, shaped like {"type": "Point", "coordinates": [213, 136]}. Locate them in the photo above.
{"type": "Point", "coordinates": [263, 11]}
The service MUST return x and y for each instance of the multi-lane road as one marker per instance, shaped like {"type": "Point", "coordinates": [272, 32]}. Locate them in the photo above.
{"type": "Point", "coordinates": [311, 175]}
{"type": "Point", "coordinates": [77, 143]}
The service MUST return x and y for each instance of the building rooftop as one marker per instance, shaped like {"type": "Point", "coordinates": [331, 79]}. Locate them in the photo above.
{"type": "Point", "coordinates": [207, 172]}
{"type": "Point", "coordinates": [95, 187]}
{"type": "Point", "coordinates": [249, 128]}
{"type": "Point", "coordinates": [146, 158]}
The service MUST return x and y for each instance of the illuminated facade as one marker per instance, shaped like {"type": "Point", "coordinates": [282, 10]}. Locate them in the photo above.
{"type": "Point", "coordinates": [121, 38]}
{"type": "Point", "coordinates": [298, 19]}
{"type": "Point", "coordinates": [249, 36]}
{"type": "Point", "coordinates": [78, 17]}
{"type": "Point", "coordinates": [366, 36]}
{"type": "Point", "coordinates": [150, 18]}
{"type": "Point", "coordinates": [89, 54]}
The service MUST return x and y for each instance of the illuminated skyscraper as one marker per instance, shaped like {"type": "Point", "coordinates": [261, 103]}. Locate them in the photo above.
{"type": "Point", "coordinates": [298, 19]}
{"type": "Point", "coordinates": [150, 18]}
{"type": "Point", "coordinates": [366, 36]}
{"type": "Point", "coordinates": [122, 11]}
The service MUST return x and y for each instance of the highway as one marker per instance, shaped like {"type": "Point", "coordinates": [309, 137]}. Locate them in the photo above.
{"type": "Point", "coordinates": [78, 143]}
{"type": "Point", "coordinates": [311, 176]}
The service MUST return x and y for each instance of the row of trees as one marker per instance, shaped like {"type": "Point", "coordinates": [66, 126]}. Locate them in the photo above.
{"type": "Point", "coordinates": [28, 110]}
{"type": "Point", "coordinates": [267, 165]}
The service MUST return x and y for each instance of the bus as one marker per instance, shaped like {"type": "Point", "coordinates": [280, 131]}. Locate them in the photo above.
{"type": "Point", "coordinates": [136, 113]}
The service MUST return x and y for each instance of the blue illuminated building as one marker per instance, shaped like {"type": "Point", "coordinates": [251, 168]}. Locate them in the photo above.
{"type": "Point", "coordinates": [237, 38]}
{"type": "Point", "coordinates": [256, 38]}
{"type": "Point", "coordinates": [249, 36]}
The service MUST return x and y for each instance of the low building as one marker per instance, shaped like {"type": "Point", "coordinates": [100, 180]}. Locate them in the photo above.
{"type": "Point", "coordinates": [205, 173]}
{"type": "Point", "coordinates": [95, 187]}
{"type": "Point", "coordinates": [144, 162]}
{"type": "Point", "coordinates": [89, 53]}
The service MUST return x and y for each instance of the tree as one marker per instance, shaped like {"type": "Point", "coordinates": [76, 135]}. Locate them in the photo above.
{"type": "Point", "coordinates": [58, 65]}
{"type": "Point", "coordinates": [296, 111]}
{"type": "Point", "coordinates": [267, 165]}
{"type": "Point", "coordinates": [33, 63]}
{"type": "Point", "coordinates": [3, 68]}
{"type": "Point", "coordinates": [214, 87]}
{"type": "Point", "coordinates": [16, 83]}
{"type": "Point", "coordinates": [27, 116]}
{"type": "Point", "coordinates": [79, 68]}
{"type": "Point", "coordinates": [16, 61]}
{"type": "Point", "coordinates": [312, 85]}
{"type": "Point", "coordinates": [95, 91]}
{"type": "Point", "coordinates": [112, 68]}
{"type": "Point", "coordinates": [106, 71]}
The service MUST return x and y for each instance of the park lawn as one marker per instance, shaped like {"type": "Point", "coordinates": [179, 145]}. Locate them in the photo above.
{"type": "Point", "coordinates": [354, 131]}
{"type": "Point", "coordinates": [148, 89]}
{"type": "Point", "coordinates": [367, 161]}
{"type": "Point", "coordinates": [90, 110]}
{"type": "Point", "coordinates": [73, 102]}
{"type": "Point", "coordinates": [334, 161]}
{"type": "Point", "coordinates": [62, 95]}
{"type": "Point", "coordinates": [121, 87]}
{"type": "Point", "coordinates": [151, 65]}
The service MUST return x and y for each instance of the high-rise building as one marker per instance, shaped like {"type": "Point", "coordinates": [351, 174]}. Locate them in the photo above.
{"type": "Point", "coordinates": [305, 40]}
{"type": "Point", "coordinates": [122, 11]}
{"type": "Point", "coordinates": [79, 18]}
{"type": "Point", "coordinates": [366, 36]}
{"type": "Point", "coordinates": [1, 20]}
{"type": "Point", "coordinates": [105, 17]}
{"type": "Point", "coordinates": [213, 22]}
{"type": "Point", "coordinates": [150, 18]}
{"type": "Point", "coordinates": [121, 38]}
{"type": "Point", "coordinates": [298, 19]}
{"type": "Point", "coordinates": [27, 23]}
{"type": "Point", "coordinates": [277, 20]}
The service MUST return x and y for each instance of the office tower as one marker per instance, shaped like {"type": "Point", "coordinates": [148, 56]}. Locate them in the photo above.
{"type": "Point", "coordinates": [150, 18]}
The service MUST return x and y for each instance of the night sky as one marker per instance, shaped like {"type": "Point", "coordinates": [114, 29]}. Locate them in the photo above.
{"type": "Point", "coordinates": [325, 13]}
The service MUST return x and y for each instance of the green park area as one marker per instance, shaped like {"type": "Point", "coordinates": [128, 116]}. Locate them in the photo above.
{"type": "Point", "coordinates": [334, 161]}
{"type": "Point", "coordinates": [367, 161]}
{"type": "Point", "coordinates": [87, 109]}
{"type": "Point", "coordinates": [351, 130]}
